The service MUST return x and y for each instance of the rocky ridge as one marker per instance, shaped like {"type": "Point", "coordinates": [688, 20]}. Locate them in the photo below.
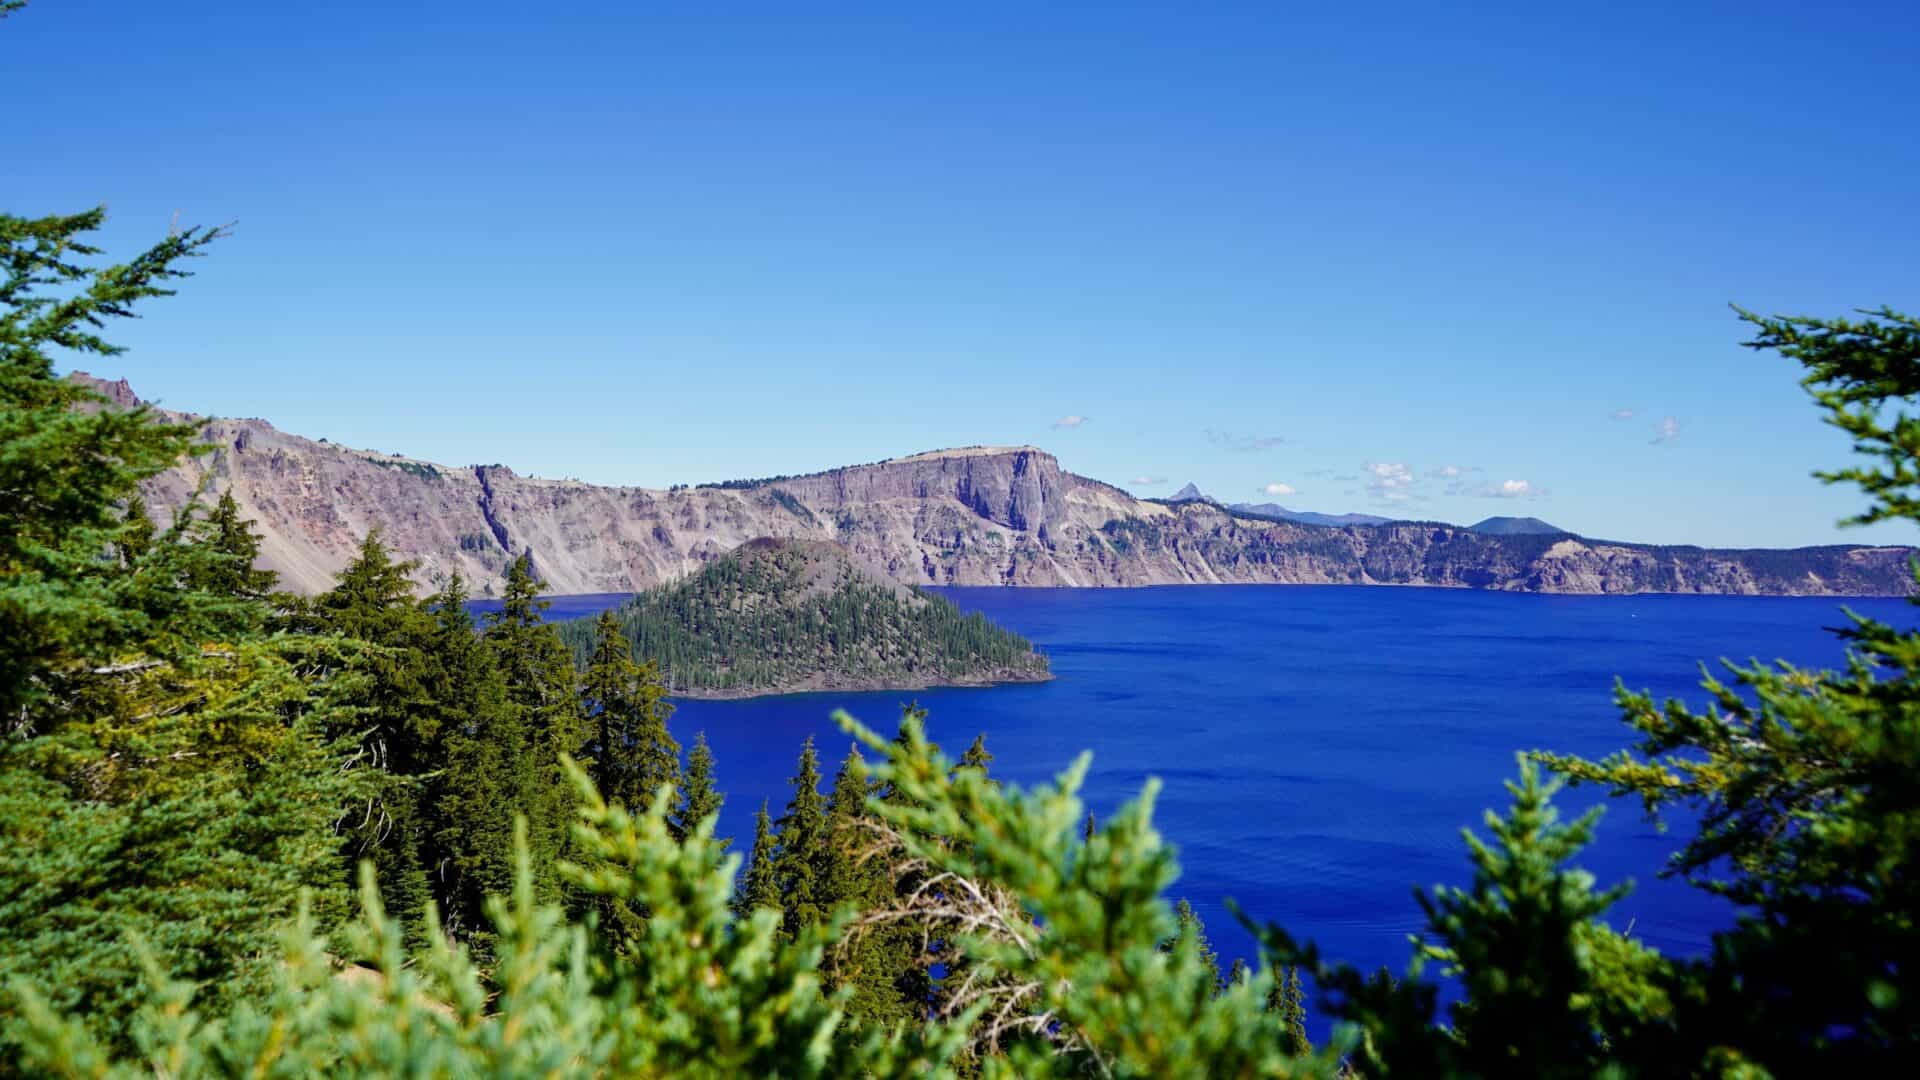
{"type": "Point", "coordinates": [973, 516]}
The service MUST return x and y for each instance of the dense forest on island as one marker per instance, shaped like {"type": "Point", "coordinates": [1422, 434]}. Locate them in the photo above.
{"type": "Point", "coordinates": [247, 833]}
{"type": "Point", "coordinates": [794, 614]}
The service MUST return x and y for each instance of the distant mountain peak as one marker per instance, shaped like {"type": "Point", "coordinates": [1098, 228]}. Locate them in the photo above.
{"type": "Point", "coordinates": [1308, 517]}
{"type": "Point", "coordinates": [118, 391]}
{"type": "Point", "coordinates": [1515, 526]}
{"type": "Point", "coordinates": [1190, 493]}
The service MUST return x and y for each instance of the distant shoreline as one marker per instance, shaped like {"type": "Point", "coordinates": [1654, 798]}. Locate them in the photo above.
{"type": "Point", "coordinates": [831, 685]}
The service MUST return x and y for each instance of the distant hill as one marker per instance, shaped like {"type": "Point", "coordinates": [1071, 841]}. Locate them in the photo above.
{"type": "Point", "coordinates": [1516, 526]}
{"type": "Point", "coordinates": [1276, 512]}
{"type": "Point", "coordinates": [780, 616]}
{"type": "Point", "coordinates": [1190, 493]}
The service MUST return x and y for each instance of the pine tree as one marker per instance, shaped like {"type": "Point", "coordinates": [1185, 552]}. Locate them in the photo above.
{"type": "Point", "coordinates": [70, 463]}
{"type": "Point", "coordinates": [136, 538]}
{"type": "Point", "coordinates": [486, 769]}
{"type": "Point", "coordinates": [633, 753]}
{"type": "Point", "coordinates": [977, 756]}
{"type": "Point", "coordinates": [1192, 934]}
{"type": "Point", "coordinates": [804, 848]}
{"type": "Point", "coordinates": [1239, 974]}
{"type": "Point", "coordinates": [1288, 1002]}
{"type": "Point", "coordinates": [236, 548]}
{"type": "Point", "coordinates": [397, 723]}
{"type": "Point", "coordinates": [540, 683]}
{"type": "Point", "coordinates": [884, 965]}
{"type": "Point", "coordinates": [699, 799]}
{"type": "Point", "coordinates": [165, 773]}
{"type": "Point", "coordinates": [760, 887]}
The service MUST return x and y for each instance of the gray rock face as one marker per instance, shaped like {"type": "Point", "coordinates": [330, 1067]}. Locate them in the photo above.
{"type": "Point", "coordinates": [976, 516]}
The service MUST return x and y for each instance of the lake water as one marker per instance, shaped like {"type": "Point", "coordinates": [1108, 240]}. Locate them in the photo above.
{"type": "Point", "coordinates": [1321, 747]}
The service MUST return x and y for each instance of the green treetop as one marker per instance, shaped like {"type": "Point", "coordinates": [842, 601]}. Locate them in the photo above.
{"type": "Point", "coordinates": [236, 547]}
{"type": "Point", "coordinates": [760, 888]}
{"type": "Point", "coordinates": [804, 846]}
{"type": "Point", "coordinates": [699, 799]}
{"type": "Point", "coordinates": [540, 683]}
{"type": "Point", "coordinates": [633, 752]}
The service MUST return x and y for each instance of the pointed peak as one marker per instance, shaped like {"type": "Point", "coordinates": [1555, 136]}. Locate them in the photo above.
{"type": "Point", "coordinates": [117, 391]}
{"type": "Point", "coordinates": [1190, 493]}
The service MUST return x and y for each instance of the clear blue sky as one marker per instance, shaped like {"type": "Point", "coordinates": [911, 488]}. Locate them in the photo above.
{"type": "Point", "coordinates": [1321, 246]}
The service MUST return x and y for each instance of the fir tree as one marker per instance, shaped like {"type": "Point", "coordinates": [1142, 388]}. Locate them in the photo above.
{"type": "Point", "coordinates": [69, 462]}
{"type": "Point", "coordinates": [486, 768]}
{"type": "Point", "coordinates": [136, 538]}
{"type": "Point", "coordinates": [804, 848]}
{"type": "Point", "coordinates": [165, 774]}
{"type": "Point", "coordinates": [881, 966]}
{"type": "Point", "coordinates": [1288, 1002]}
{"type": "Point", "coordinates": [236, 548]}
{"type": "Point", "coordinates": [397, 722]}
{"type": "Point", "coordinates": [760, 888]}
{"type": "Point", "coordinates": [633, 753]}
{"type": "Point", "coordinates": [977, 756]}
{"type": "Point", "coordinates": [699, 799]}
{"type": "Point", "coordinates": [540, 684]}
{"type": "Point", "coordinates": [1191, 934]}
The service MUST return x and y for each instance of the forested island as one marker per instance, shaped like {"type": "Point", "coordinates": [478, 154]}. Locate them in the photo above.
{"type": "Point", "coordinates": [781, 616]}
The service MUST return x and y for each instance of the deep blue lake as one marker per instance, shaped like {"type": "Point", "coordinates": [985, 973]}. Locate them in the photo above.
{"type": "Point", "coordinates": [1321, 747]}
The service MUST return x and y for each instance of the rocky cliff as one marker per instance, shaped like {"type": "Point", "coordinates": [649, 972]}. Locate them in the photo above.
{"type": "Point", "coordinates": [973, 516]}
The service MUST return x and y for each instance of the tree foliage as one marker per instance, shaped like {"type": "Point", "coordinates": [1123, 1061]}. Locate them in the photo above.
{"type": "Point", "coordinates": [785, 614]}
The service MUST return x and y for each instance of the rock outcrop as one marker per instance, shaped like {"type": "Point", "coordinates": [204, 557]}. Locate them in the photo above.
{"type": "Point", "coordinates": [973, 516]}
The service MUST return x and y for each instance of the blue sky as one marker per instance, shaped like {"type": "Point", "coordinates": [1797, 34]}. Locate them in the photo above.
{"type": "Point", "coordinates": [1331, 247]}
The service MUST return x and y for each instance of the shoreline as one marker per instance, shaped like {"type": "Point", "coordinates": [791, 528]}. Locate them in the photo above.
{"type": "Point", "coordinates": [1005, 677]}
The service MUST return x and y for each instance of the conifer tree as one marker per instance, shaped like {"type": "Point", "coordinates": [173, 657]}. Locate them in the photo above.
{"type": "Point", "coordinates": [1191, 935]}
{"type": "Point", "coordinates": [633, 753]}
{"type": "Point", "coordinates": [136, 537]}
{"type": "Point", "coordinates": [165, 775]}
{"type": "Point", "coordinates": [540, 683]}
{"type": "Point", "coordinates": [879, 966]}
{"type": "Point", "coordinates": [398, 722]}
{"type": "Point", "coordinates": [760, 887]}
{"type": "Point", "coordinates": [1288, 1003]}
{"type": "Point", "coordinates": [977, 756]}
{"type": "Point", "coordinates": [69, 461]}
{"type": "Point", "coordinates": [699, 799]}
{"type": "Point", "coordinates": [235, 547]}
{"type": "Point", "coordinates": [485, 767]}
{"type": "Point", "coordinates": [804, 848]}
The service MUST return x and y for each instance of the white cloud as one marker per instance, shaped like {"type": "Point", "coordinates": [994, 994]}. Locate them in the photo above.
{"type": "Point", "coordinates": [1388, 475]}
{"type": "Point", "coordinates": [1511, 489]}
{"type": "Point", "coordinates": [1395, 496]}
{"type": "Point", "coordinates": [1667, 430]}
{"type": "Point", "coordinates": [1279, 489]}
{"type": "Point", "coordinates": [1072, 420]}
{"type": "Point", "coordinates": [1625, 414]}
{"type": "Point", "coordinates": [1447, 471]}
{"type": "Point", "coordinates": [1149, 481]}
